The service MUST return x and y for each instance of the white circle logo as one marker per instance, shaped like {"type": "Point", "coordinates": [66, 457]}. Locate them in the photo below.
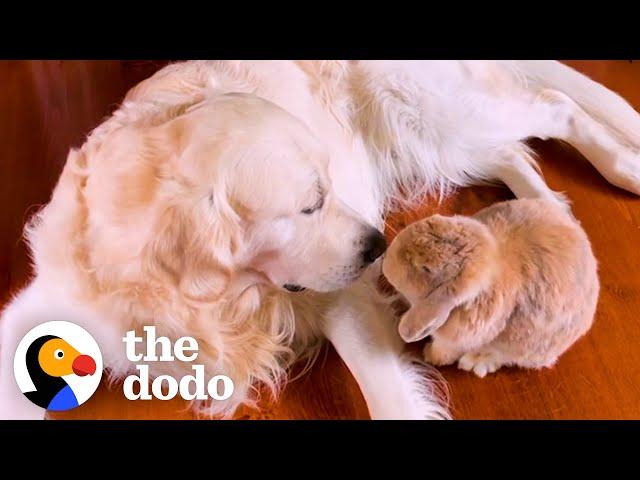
{"type": "Point", "coordinates": [58, 365]}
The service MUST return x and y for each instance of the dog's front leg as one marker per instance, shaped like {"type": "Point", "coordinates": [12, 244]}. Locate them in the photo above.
{"type": "Point", "coordinates": [363, 330]}
{"type": "Point", "coordinates": [16, 320]}
{"type": "Point", "coordinates": [37, 304]}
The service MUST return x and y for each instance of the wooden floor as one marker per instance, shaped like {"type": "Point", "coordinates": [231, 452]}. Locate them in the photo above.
{"type": "Point", "coordinates": [46, 107]}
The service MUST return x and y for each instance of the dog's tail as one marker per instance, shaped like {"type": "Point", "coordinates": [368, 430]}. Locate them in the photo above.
{"type": "Point", "coordinates": [604, 105]}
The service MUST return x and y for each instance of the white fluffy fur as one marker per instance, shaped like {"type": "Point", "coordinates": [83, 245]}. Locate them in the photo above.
{"type": "Point", "coordinates": [392, 131]}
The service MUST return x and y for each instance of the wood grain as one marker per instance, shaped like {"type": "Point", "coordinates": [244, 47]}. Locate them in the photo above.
{"type": "Point", "coordinates": [48, 106]}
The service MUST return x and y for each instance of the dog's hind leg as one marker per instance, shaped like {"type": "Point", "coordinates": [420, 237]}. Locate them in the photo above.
{"type": "Point", "coordinates": [515, 166]}
{"type": "Point", "coordinates": [568, 105]}
{"type": "Point", "coordinates": [617, 161]}
{"type": "Point", "coordinates": [553, 114]}
{"type": "Point", "coordinates": [364, 332]}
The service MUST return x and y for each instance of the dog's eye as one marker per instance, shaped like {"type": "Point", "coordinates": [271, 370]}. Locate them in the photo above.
{"type": "Point", "coordinates": [426, 269]}
{"type": "Point", "coordinates": [318, 205]}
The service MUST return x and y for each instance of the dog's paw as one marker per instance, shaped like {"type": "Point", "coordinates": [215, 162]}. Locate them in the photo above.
{"type": "Point", "coordinates": [480, 363]}
{"type": "Point", "coordinates": [624, 170]}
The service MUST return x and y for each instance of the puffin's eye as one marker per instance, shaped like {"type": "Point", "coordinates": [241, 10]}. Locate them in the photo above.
{"type": "Point", "coordinates": [59, 354]}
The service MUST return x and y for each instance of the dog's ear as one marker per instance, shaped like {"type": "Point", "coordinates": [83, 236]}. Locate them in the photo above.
{"type": "Point", "coordinates": [426, 317]}
{"type": "Point", "coordinates": [194, 241]}
{"type": "Point", "coordinates": [196, 255]}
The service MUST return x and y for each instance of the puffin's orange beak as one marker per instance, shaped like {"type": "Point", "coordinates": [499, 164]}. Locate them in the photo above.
{"type": "Point", "coordinates": [84, 365]}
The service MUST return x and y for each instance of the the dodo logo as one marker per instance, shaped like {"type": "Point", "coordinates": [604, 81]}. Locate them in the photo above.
{"type": "Point", "coordinates": [58, 365]}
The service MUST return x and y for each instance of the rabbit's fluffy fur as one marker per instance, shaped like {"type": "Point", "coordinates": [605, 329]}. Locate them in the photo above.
{"type": "Point", "coordinates": [516, 284]}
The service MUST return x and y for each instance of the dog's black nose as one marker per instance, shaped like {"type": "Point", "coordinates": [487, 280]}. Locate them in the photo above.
{"type": "Point", "coordinates": [374, 246]}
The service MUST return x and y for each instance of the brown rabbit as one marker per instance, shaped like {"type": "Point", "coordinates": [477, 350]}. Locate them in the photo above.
{"type": "Point", "coordinates": [516, 284]}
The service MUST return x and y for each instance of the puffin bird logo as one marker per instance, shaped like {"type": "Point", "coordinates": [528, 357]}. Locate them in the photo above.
{"type": "Point", "coordinates": [49, 358]}
{"type": "Point", "coordinates": [58, 365]}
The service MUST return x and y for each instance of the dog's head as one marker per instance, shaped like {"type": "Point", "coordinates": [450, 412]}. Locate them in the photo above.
{"type": "Point", "coordinates": [232, 187]}
{"type": "Point", "coordinates": [438, 263]}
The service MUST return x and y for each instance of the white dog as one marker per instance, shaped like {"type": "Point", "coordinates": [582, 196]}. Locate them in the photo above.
{"type": "Point", "coordinates": [219, 191]}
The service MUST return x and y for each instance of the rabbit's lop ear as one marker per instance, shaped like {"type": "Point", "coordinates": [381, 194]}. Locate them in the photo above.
{"type": "Point", "coordinates": [425, 318]}
{"type": "Point", "coordinates": [447, 255]}
{"type": "Point", "coordinates": [433, 310]}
